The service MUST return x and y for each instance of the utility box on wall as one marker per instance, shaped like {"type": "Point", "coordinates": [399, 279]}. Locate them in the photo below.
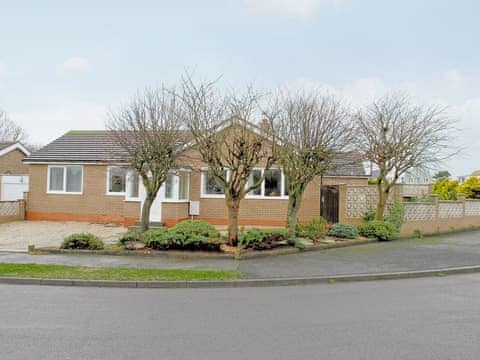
{"type": "Point", "coordinates": [194, 208]}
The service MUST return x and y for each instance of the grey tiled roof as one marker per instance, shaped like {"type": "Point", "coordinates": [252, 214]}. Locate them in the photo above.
{"type": "Point", "coordinates": [101, 147]}
{"type": "Point", "coordinates": [81, 146]}
{"type": "Point", "coordinates": [5, 144]}
{"type": "Point", "coordinates": [347, 164]}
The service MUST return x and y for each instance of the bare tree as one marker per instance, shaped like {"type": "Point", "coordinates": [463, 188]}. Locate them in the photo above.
{"type": "Point", "coordinates": [9, 130]}
{"type": "Point", "coordinates": [396, 135]}
{"type": "Point", "coordinates": [150, 133]}
{"type": "Point", "coordinates": [226, 142]}
{"type": "Point", "coordinates": [314, 129]}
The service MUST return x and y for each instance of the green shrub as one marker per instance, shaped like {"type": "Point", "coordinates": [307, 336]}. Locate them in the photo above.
{"type": "Point", "coordinates": [417, 233]}
{"type": "Point", "coordinates": [446, 189]}
{"type": "Point", "coordinates": [345, 231]}
{"type": "Point", "coordinates": [130, 236]}
{"type": "Point", "coordinates": [316, 229]}
{"type": "Point", "coordinates": [187, 235]}
{"type": "Point", "coordinates": [372, 181]}
{"type": "Point", "coordinates": [262, 239]}
{"type": "Point", "coordinates": [379, 229]}
{"type": "Point", "coordinates": [85, 241]}
{"type": "Point", "coordinates": [397, 215]}
{"type": "Point", "coordinates": [369, 215]}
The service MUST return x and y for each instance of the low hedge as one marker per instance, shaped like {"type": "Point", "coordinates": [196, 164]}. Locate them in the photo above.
{"type": "Point", "coordinates": [262, 239]}
{"type": "Point", "coordinates": [379, 229]}
{"type": "Point", "coordinates": [343, 231]}
{"type": "Point", "coordinates": [83, 241]}
{"type": "Point", "coordinates": [187, 235]}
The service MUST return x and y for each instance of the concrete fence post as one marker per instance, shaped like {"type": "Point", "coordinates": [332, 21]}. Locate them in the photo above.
{"type": "Point", "coordinates": [435, 200]}
{"type": "Point", "coordinates": [461, 198]}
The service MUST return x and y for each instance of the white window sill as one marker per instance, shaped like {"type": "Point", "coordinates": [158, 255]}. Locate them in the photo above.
{"type": "Point", "coordinates": [115, 194]}
{"type": "Point", "coordinates": [133, 200]}
{"type": "Point", "coordinates": [174, 201]}
{"type": "Point", "coordinates": [64, 193]}
{"type": "Point", "coordinates": [259, 197]}
{"type": "Point", "coordinates": [212, 196]}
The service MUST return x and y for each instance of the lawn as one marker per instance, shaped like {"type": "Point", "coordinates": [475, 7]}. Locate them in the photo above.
{"type": "Point", "coordinates": [111, 273]}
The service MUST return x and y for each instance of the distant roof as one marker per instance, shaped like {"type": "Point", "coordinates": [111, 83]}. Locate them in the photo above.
{"type": "Point", "coordinates": [93, 146]}
{"type": "Point", "coordinates": [5, 144]}
{"type": "Point", "coordinates": [347, 164]}
{"type": "Point", "coordinates": [8, 146]}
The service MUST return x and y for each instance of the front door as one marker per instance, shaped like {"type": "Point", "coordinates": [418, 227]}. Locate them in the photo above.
{"type": "Point", "coordinates": [156, 209]}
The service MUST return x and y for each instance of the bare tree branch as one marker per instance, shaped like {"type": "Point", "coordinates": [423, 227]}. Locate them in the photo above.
{"type": "Point", "coordinates": [150, 133]}
{"type": "Point", "coordinates": [9, 130]}
{"type": "Point", "coordinates": [396, 136]}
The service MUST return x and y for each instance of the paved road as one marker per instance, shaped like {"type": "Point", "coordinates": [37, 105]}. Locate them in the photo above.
{"type": "Point", "coordinates": [452, 250]}
{"type": "Point", "coordinates": [435, 318]}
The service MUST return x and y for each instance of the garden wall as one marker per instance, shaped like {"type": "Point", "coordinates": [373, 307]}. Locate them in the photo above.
{"type": "Point", "coordinates": [12, 211]}
{"type": "Point", "coordinates": [427, 217]}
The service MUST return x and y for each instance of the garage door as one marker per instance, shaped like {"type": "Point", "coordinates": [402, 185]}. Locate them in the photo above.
{"type": "Point", "coordinates": [13, 187]}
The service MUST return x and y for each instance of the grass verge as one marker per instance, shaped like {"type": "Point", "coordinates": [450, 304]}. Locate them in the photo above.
{"type": "Point", "coordinates": [113, 273]}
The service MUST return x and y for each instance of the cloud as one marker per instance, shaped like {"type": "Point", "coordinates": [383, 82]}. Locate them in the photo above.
{"type": "Point", "coordinates": [73, 65]}
{"type": "Point", "coordinates": [453, 89]}
{"type": "Point", "coordinates": [304, 9]}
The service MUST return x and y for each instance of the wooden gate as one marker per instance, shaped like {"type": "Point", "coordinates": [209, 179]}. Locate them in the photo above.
{"type": "Point", "coordinates": [329, 203]}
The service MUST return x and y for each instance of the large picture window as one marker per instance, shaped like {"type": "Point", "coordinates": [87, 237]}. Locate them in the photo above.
{"type": "Point", "coordinates": [273, 186]}
{"type": "Point", "coordinates": [65, 179]}
{"type": "Point", "coordinates": [211, 186]}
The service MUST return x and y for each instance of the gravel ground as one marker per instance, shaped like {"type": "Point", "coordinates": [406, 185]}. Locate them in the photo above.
{"type": "Point", "coordinates": [16, 236]}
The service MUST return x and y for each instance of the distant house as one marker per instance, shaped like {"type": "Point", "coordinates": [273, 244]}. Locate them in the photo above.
{"type": "Point", "coordinates": [84, 176]}
{"type": "Point", "coordinates": [13, 172]}
{"type": "Point", "coordinates": [416, 177]}
{"type": "Point", "coordinates": [476, 174]}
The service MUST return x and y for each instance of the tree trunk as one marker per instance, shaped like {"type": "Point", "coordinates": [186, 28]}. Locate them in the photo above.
{"type": "Point", "coordinates": [147, 205]}
{"type": "Point", "coordinates": [233, 207]}
{"type": "Point", "coordinates": [382, 201]}
{"type": "Point", "coordinates": [294, 203]}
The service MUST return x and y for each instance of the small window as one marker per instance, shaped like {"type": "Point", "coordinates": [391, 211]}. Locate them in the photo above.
{"type": "Point", "coordinates": [65, 179]}
{"type": "Point", "coordinates": [117, 178]}
{"type": "Point", "coordinates": [177, 186]}
{"type": "Point", "coordinates": [273, 182]}
{"type": "Point", "coordinates": [211, 186]}
{"type": "Point", "coordinates": [255, 177]}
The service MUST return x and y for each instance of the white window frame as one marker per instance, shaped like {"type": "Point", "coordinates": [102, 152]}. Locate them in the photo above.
{"type": "Point", "coordinates": [262, 195]}
{"type": "Point", "coordinates": [128, 184]}
{"type": "Point", "coordinates": [107, 183]}
{"type": "Point", "coordinates": [64, 191]}
{"type": "Point", "coordinates": [176, 187]}
{"type": "Point", "coordinates": [203, 194]}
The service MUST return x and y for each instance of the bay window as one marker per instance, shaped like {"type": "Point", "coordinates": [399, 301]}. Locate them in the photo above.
{"type": "Point", "coordinates": [177, 186]}
{"type": "Point", "coordinates": [65, 179]}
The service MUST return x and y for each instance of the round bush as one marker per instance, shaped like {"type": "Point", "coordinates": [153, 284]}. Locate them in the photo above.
{"type": "Point", "coordinates": [379, 229]}
{"type": "Point", "coordinates": [317, 228]}
{"type": "Point", "coordinates": [344, 231]}
{"type": "Point", "coordinates": [131, 236]}
{"type": "Point", "coordinates": [262, 239]}
{"type": "Point", "coordinates": [84, 241]}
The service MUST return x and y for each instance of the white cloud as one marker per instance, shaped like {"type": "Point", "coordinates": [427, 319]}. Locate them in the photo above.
{"type": "Point", "coordinates": [304, 9]}
{"type": "Point", "coordinates": [73, 64]}
{"type": "Point", "coordinates": [452, 89]}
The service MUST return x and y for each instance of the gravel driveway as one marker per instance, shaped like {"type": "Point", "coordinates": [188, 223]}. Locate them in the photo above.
{"type": "Point", "coordinates": [16, 236]}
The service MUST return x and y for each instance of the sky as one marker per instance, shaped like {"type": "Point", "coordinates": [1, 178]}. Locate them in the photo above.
{"type": "Point", "coordinates": [65, 64]}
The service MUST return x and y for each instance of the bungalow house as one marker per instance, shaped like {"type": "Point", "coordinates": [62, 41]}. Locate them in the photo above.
{"type": "Point", "coordinates": [84, 176]}
{"type": "Point", "coordinates": [13, 172]}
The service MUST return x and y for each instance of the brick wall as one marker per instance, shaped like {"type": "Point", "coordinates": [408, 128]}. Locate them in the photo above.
{"type": "Point", "coordinates": [93, 205]}
{"type": "Point", "coordinates": [11, 163]}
